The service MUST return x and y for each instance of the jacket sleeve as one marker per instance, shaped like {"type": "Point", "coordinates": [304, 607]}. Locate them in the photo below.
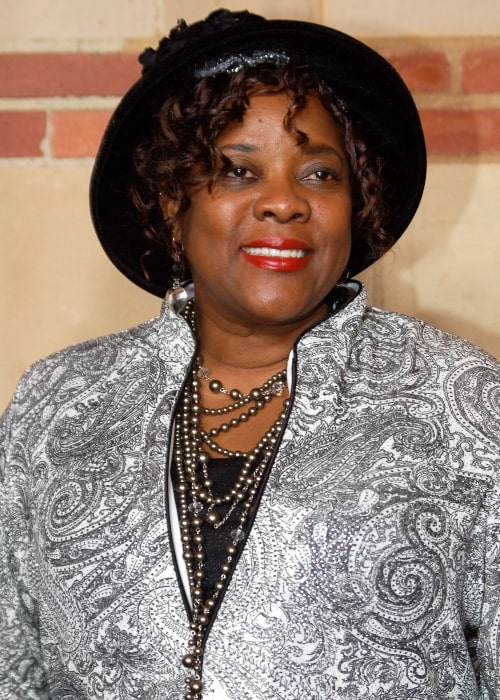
{"type": "Point", "coordinates": [488, 649]}
{"type": "Point", "coordinates": [21, 668]}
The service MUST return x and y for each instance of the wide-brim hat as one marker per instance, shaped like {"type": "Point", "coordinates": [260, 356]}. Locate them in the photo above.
{"type": "Point", "coordinates": [373, 93]}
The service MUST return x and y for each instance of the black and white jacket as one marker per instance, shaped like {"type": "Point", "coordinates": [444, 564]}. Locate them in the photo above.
{"type": "Point", "coordinates": [372, 567]}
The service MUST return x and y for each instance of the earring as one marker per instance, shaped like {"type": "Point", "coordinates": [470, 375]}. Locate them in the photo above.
{"type": "Point", "coordinates": [178, 252]}
{"type": "Point", "coordinates": [177, 296]}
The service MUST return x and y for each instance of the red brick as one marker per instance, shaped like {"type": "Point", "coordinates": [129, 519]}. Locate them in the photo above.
{"type": "Point", "coordinates": [21, 134]}
{"type": "Point", "coordinates": [481, 70]}
{"type": "Point", "coordinates": [423, 71]}
{"type": "Point", "coordinates": [78, 74]}
{"type": "Point", "coordinates": [467, 132]}
{"type": "Point", "coordinates": [78, 133]}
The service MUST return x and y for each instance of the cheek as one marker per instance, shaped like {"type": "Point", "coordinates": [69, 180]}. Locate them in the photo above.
{"type": "Point", "coordinates": [337, 229]}
{"type": "Point", "coordinates": [338, 224]}
{"type": "Point", "coordinates": [192, 230]}
{"type": "Point", "coordinates": [215, 230]}
{"type": "Point", "coordinates": [204, 245]}
{"type": "Point", "coordinates": [336, 211]}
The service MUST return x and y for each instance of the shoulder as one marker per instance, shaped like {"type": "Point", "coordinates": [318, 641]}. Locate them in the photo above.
{"type": "Point", "coordinates": [74, 369]}
{"type": "Point", "coordinates": [96, 355]}
{"type": "Point", "coordinates": [404, 356]}
{"type": "Point", "coordinates": [388, 330]}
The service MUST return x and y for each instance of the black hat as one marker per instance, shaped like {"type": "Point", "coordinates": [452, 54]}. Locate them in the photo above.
{"type": "Point", "coordinates": [373, 93]}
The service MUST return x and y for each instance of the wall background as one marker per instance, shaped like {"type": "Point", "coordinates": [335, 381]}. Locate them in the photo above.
{"type": "Point", "coordinates": [65, 64]}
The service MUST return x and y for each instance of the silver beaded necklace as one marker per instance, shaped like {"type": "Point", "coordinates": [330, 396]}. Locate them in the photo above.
{"type": "Point", "coordinates": [197, 503]}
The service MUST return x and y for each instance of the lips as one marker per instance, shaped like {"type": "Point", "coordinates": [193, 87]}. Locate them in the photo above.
{"type": "Point", "coordinates": [278, 254]}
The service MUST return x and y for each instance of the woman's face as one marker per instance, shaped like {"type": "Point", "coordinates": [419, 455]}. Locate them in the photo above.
{"type": "Point", "coordinates": [272, 237]}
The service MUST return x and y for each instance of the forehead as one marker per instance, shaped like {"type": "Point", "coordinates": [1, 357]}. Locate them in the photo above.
{"type": "Point", "coordinates": [267, 113]}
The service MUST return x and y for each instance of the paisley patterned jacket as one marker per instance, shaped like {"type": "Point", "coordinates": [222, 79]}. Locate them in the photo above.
{"type": "Point", "coordinates": [372, 567]}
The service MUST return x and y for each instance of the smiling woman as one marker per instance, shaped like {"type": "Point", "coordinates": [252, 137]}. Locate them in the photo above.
{"type": "Point", "coordinates": [271, 211]}
{"type": "Point", "coordinates": [183, 150]}
{"type": "Point", "coordinates": [271, 490]}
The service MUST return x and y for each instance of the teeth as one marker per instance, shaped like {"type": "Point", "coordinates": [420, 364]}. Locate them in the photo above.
{"type": "Point", "coordinates": [276, 253]}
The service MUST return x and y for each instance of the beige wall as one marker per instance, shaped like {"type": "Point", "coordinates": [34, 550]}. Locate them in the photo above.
{"type": "Point", "coordinates": [57, 287]}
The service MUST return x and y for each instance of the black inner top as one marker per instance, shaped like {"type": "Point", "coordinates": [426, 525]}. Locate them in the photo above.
{"type": "Point", "coordinates": [223, 471]}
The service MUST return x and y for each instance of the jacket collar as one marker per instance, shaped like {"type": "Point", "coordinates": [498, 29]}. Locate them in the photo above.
{"type": "Point", "coordinates": [318, 359]}
{"type": "Point", "coordinates": [322, 353]}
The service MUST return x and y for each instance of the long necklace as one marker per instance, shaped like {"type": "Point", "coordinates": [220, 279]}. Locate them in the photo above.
{"type": "Point", "coordinates": [198, 505]}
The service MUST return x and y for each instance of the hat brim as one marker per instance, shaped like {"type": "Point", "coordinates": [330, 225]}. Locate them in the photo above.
{"type": "Point", "coordinates": [376, 97]}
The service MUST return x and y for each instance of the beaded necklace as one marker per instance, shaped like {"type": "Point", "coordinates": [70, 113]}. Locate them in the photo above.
{"type": "Point", "coordinates": [197, 502]}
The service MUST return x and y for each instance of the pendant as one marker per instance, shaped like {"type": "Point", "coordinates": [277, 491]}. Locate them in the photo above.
{"type": "Point", "coordinates": [238, 534]}
{"type": "Point", "coordinates": [195, 507]}
{"type": "Point", "coordinates": [277, 388]}
{"type": "Point", "coordinates": [176, 298]}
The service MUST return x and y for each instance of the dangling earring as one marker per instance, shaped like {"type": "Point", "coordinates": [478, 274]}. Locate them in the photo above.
{"type": "Point", "coordinates": [178, 268]}
{"type": "Point", "coordinates": [178, 251]}
{"type": "Point", "coordinates": [177, 296]}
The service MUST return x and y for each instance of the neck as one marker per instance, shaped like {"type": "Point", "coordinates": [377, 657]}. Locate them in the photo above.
{"type": "Point", "coordinates": [248, 354]}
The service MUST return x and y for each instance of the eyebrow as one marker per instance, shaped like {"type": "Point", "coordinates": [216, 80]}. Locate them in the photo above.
{"type": "Point", "coordinates": [320, 149]}
{"type": "Point", "coordinates": [241, 147]}
{"type": "Point", "coordinates": [313, 150]}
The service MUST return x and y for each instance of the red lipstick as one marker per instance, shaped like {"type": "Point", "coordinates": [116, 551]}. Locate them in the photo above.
{"type": "Point", "coordinates": [260, 253]}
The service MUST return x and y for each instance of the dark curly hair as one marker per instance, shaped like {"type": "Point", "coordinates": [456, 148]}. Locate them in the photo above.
{"type": "Point", "coordinates": [182, 151]}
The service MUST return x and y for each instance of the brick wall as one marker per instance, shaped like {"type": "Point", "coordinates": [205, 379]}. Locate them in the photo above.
{"type": "Point", "coordinates": [56, 105]}
{"type": "Point", "coordinates": [64, 66]}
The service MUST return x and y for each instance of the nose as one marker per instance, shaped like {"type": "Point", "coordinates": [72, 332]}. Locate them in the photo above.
{"type": "Point", "coordinates": [281, 199]}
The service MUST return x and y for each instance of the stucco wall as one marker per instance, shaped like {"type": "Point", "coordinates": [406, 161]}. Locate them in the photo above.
{"type": "Point", "coordinates": [63, 66]}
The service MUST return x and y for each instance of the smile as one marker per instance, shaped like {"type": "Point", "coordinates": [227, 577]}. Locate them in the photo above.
{"type": "Point", "coordinates": [282, 255]}
{"type": "Point", "coordinates": [275, 253]}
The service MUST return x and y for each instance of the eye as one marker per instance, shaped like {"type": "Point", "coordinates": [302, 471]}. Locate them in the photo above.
{"type": "Point", "coordinates": [239, 173]}
{"type": "Point", "coordinates": [323, 175]}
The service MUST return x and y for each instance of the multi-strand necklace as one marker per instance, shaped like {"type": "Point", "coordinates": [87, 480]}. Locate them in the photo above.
{"type": "Point", "coordinates": [199, 507]}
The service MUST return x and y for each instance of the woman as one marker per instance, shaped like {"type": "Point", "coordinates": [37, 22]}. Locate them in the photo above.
{"type": "Point", "coordinates": [271, 490]}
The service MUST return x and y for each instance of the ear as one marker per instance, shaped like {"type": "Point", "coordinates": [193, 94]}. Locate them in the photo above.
{"type": "Point", "coordinates": [170, 207]}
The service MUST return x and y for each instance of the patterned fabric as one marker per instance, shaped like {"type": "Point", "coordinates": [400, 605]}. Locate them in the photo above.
{"type": "Point", "coordinates": [372, 568]}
